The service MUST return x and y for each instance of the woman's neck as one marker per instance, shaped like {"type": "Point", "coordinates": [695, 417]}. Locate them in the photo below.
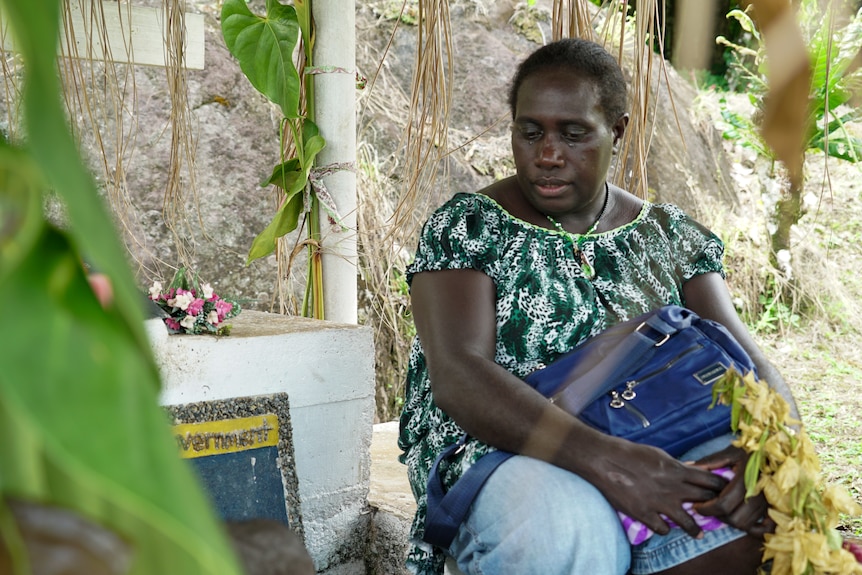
{"type": "Point", "coordinates": [622, 208]}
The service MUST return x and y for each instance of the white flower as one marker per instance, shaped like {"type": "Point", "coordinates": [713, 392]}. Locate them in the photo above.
{"type": "Point", "coordinates": [207, 290]}
{"type": "Point", "coordinates": [188, 322]}
{"type": "Point", "coordinates": [155, 290]}
{"type": "Point", "coordinates": [783, 258]}
{"type": "Point", "coordinates": [182, 300]}
{"type": "Point", "coordinates": [212, 317]}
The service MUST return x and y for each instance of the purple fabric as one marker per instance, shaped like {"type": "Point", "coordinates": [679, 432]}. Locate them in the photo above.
{"type": "Point", "coordinates": [637, 532]}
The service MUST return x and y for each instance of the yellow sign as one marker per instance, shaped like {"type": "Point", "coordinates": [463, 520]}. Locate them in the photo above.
{"type": "Point", "coordinates": [226, 435]}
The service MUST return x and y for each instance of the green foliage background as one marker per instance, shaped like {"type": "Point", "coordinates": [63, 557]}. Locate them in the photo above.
{"type": "Point", "coordinates": [79, 417]}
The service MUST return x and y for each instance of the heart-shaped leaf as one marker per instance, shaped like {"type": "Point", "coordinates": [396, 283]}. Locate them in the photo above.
{"type": "Point", "coordinates": [312, 144]}
{"type": "Point", "coordinates": [264, 48]}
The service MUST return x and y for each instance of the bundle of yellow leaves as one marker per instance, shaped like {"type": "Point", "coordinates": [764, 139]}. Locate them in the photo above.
{"type": "Point", "coordinates": [784, 467]}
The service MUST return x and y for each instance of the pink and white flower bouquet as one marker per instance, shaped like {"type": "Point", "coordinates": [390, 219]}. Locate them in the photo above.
{"type": "Point", "coordinates": [192, 307]}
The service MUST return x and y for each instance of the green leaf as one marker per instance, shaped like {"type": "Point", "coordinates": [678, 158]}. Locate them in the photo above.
{"type": "Point", "coordinates": [745, 22]}
{"type": "Point", "coordinates": [735, 407]}
{"type": "Point", "coordinates": [303, 12]}
{"type": "Point", "coordinates": [753, 465]}
{"type": "Point", "coordinates": [285, 176]}
{"type": "Point", "coordinates": [849, 150]}
{"type": "Point", "coordinates": [20, 206]}
{"type": "Point", "coordinates": [292, 177]}
{"type": "Point", "coordinates": [78, 388]}
{"type": "Point", "coordinates": [76, 395]}
{"type": "Point", "coordinates": [55, 154]}
{"type": "Point", "coordinates": [313, 143]}
{"type": "Point", "coordinates": [264, 48]}
{"type": "Point", "coordinates": [288, 176]}
{"type": "Point", "coordinates": [284, 222]}
{"type": "Point", "coordinates": [185, 279]}
{"type": "Point", "coordinates": [834, 539]}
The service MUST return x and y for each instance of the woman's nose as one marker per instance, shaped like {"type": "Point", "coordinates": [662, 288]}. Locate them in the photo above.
{"type": "Point", "coordinates": [550, 152]}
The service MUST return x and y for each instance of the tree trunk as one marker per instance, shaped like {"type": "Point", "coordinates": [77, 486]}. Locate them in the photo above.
{"type": "Point", "coordinates": [788, 210]}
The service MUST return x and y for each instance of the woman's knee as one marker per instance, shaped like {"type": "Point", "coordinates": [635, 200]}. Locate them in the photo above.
{"type": "Point", "coordinates": [545, 518]}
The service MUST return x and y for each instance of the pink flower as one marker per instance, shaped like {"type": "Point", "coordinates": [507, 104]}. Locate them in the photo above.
{"type": "Point", "coordinates": [195, 307]}
{"type": "Point", "coordinates": [172, 323]}
{"type": "Point", "coordinates": [223, 308]}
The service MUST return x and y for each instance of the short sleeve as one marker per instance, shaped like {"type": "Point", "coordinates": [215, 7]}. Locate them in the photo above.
{"type": "Point", "coordinates": [461, 234]}
{"type": "Point", "coordinates": [696, 249]}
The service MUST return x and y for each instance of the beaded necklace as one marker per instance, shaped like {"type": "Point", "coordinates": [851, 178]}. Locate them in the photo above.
{"type": "Point", "coordinates": [578, 244]}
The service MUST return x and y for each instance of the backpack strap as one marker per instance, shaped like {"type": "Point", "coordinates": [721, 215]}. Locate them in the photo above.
{"type": "Point", "coordinates": [636, 348]}
{"type": "Point", "coordinates": [447, 510]}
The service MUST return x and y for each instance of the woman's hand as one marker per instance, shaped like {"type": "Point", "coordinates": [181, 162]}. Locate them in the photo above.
{"type": "Point", "coordinates": [731, 506]}
{"type": "Point", "coordinates": [645, 483]}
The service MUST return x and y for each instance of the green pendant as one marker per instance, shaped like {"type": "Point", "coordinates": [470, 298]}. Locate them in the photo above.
{"type": "Point", "coordinates": [587, 267]}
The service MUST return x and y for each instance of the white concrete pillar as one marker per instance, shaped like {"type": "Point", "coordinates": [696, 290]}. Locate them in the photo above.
{"type": "Point", "coordinates": [335, 114]}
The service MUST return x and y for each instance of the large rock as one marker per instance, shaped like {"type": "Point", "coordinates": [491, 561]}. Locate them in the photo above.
{"type": "Point", "coordinates": [235, 134]}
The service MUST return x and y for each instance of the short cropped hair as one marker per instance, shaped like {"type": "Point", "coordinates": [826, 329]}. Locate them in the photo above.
{"type": "Point", "coordinates": [584, 57]}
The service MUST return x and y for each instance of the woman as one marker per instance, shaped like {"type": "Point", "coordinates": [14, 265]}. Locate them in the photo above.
{"type": "Point", "coordinates": [514, 276]}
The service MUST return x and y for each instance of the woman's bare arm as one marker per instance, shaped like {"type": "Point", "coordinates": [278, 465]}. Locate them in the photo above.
{"type": "Point", "coordinates": [708, 296]}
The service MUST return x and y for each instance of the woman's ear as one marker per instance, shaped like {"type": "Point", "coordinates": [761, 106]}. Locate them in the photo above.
{"type": "Point", "coordinates": [619, 128]}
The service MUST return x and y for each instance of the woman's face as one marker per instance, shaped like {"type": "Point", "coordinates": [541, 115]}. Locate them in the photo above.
{"type": "Point", "coordinates": [561, 142]}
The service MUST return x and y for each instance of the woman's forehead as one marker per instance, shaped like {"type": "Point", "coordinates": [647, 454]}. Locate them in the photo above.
{"type": "Point", "coordinates": [558, 91]}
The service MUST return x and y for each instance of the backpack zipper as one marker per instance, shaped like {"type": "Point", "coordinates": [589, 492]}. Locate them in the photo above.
{"type": "Point", "coordinates": [620, 400]}
{"type": "Point", "coordinates": [617, 402]}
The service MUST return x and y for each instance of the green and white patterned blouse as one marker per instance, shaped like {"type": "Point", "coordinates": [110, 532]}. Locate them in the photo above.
{"type": "Point", "coordinates": [545, 306]}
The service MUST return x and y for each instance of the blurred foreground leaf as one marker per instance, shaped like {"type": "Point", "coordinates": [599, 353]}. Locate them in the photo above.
{"type": "Point", "coordinates": [79, 416]}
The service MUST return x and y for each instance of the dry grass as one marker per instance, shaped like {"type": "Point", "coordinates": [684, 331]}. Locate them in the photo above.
{"type": "Point", "coordinates": [384, 301]}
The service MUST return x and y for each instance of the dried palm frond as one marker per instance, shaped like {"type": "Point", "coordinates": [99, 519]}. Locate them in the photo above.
{"type": "Point", "coordinates": [632, 41]}
{"type": "Point", "coordinates": [100, 97]}
{"type": "Point", "coordinates": [426, 138]}
{"type": "Point", "coordinates": [180, 186]}
{"type": "Point", "coordinates": [572, 19]}
{"type": "Point", "coordinates": [384, 301]}
{"type": "Point", "coordinates": [99, 91]}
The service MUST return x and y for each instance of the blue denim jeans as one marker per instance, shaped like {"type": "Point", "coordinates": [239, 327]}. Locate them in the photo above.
{"type": "Point", "coordinates": [532, 517]}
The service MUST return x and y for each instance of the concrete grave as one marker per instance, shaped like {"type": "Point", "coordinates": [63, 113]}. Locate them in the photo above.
{"type": "Point", "coordinates": [327, 371]}
{"type": "Point", "coordinates": [242, 449]}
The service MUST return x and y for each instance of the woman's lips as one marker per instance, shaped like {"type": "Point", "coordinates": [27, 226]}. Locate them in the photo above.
{"type": "Point", "coordinates": [550, 187]}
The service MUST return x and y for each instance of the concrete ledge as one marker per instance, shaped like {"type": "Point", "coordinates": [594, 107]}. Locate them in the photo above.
{"type": "Point", "coordinates": [389, 489]}
{"type": "Point", "coordinates": [356, 502]}
{"type": "Point", "coordinates": [387, 544]}
{"type": "Point", "coordinates": [391, 501]}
